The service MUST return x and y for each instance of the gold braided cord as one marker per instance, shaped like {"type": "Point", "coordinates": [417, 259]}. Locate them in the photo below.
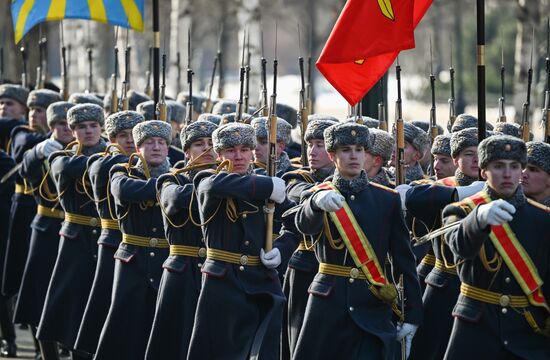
{"type": "Point", "coordinates": [116, 146]}
{"type": "Point", "coordinates": [336, 244]}
{"type": "Point", "coordinates": [487, 264]}
{"type": "Point", "coordinates": [145, 166]}
{"type": "Point", "coordinates": [162, 209]}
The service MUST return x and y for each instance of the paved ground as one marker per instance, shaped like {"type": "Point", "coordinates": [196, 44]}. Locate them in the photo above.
{"type": "Point", "coordinates": [25, 345]}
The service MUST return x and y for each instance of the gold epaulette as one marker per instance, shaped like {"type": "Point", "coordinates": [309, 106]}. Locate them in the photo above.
{"type": "Point", "coordinates": [422, 182]}
{"type": "Point", "coordinates": [538, 205]}
{"type": "Point", "coordinates": [296, 160]}
{"type": "Point", "coordinates": [383, 187]}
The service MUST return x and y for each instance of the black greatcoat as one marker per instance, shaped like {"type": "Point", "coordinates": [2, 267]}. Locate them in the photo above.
{"type": "Point", "coordinates": [353, 323]}
{"type": "Point", "coordinates": [239, 311]}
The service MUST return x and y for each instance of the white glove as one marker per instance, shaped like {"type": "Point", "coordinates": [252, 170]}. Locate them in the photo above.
{"type": "Point", "coordinates": [328, 200]}
{"type": "Point", "coordinates": [407, 332]}
{"type": "Point", "coordinates": [278, 194]}
{"type": "Point", "coordinates": [46, 147]}
{"type": "Point", "coordinates": [270, 259]}
{"type": "Point", "coordinates": [402, 190]}
{"type": "Point", "coordinates": [495, 213]}
{"type": "Point", "coordinates": [464, 191]}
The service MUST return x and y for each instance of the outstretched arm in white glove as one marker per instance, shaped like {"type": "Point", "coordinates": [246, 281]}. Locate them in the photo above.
{"type": "Point", "coordinates": [46, 147]}
{"type": "Point", "coordinates": [464, 191]}
{"type": "Point", "coordinates": [495, 213]}
{"type": "Point", "coordinates": [406, 331]}
{"type": "Point", "coordinates": [278, 194]}
{"type": "Point", "coordinates": [270, 259]}
{"type": "Point", "coordinates": [328, 200]}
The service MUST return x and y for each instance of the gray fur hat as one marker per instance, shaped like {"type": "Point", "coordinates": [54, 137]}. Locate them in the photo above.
{"type": "Point", "coordinates": [196, 130]}
{"type": "Point", "coordinates": [464, 121]}
{"type": "Point", "coordinates": [42, 98]}
{"type": "Point", "coordinates": [538, 154]}
{"type": "Point", "coordinates": [224, 107]}
{"type": "Point", "coordinates": [177, 111]}
{"type": "Point", "coordinates": [501, 147]}
{"type": "Point", "coordinates": [198, 101]}
{"type": "Point", "coordinates": [85, 112]}
{"type": "Point", "coordinates": [283, 128]}
{"type": "Point", "coordinates": [511, 129]}
{"type": "Point", "coordinates": [57, 111]}
{"type": "Point", "coordinates": [369, 122]}
{"type": "Point", "coordinates": [442, 145]}
{"type": "Point", "coordinates": [135, 98]}
{"type": "Point", "coordinates": [83, 98]}
{"type": "Point", "coordinates": [416, 137]}
{"type": "Point", "coordinates": [232, 134]}
{"type": "Point", "coordinates": [321, 117]}
{"type": "Point", "coordinates": [287, 113]}
{"type": "Point", "coordinates": [229, 118]}
{"type": "Point", "coordinates": [316, 127]}
{"type": "Point", "coordinates": [147, 109]}
{"type": "Point", "coordinates": [213, 118]}
{"type": "Point", "coordinates": [425, 125]}
{"type": "Point", "coordinates": [348, 133]}
{"type": "Point", "coordinates": [14, 92]}
{"type": "Point", "coordinates": [381, 144]}
{"type": "Point", "coordinates": [462, 139]}
{"type": "Point", "coordinates": [152, 128]}
{"type": "Point", "coordinates": [122, 120]}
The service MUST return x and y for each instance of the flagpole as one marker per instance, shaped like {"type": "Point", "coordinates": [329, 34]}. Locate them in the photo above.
{"type": "Point", "coordinates": [156, 52]}
{"type": "Point", "coordinates": [480, 5]}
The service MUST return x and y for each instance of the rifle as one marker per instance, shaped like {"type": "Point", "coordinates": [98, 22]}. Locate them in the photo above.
{"type": "Point", "coordinates": [247, 75]}
{"type": "Point", "coordinates": [271, 166]}
{"type": "Point", "coordinates": [546, 110]}
{"type": "Point", "coordinates": [525, 108]}
{"type": "Point", "coordinates": [64, 80]}
{"type": "Point", "coordinates": [208, 107]}
{"type": "Point", "coordinates": [161, 106]}
{"type": "Point", "coordinates": [178, 69]}
{"type": "Point", "coordinates": [452, 108]}
{"type": "Point", "coordinates": [39, 84]}
{"type": "Point", "coordinates": [239, 112]}
{"type": "Point", "coordinates": [43, 45]}
{"type": "Point", "coordinates": [114, 94]}
{"type": "Point", "coordinates": [125, 103]}
{"type": "Point", "coordinates": [221, 79]}
{"type": "Point", "coordinates": [433, 121]}
{"type": "Point", "coordinates": [303, 110]}
{"type": "Point", "coordinates": [24, 79]}
{"type": "Point", "coordinates": [189, 105]}
{"type": "Point", "coordinates": [309, 89]}
{"type": "Point", "coordinates": [383, 124]}
{"type": "Point", "coordinates": [399, 131]}
{"type": "Point", "coordinates": [263, 85]}
{"type": "Point", "coordinates": [90, 70]}
{"type": "Point", "coordinates": [501, 99]}
{"type": "Point", "coordinates": [148, 73]}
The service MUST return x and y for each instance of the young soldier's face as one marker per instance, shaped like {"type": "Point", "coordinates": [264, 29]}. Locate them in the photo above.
{"type": "Point", "coordinates": [10, 108]}
{"type": "Point", "coordinates": [201, 151]}
{"type": "Point", "coordinates": [262, 149]}
{"type": "Point", "coordinates": [535, 182]}
{"type": "Point", "coordinates": [410, 155]}
{"type": "Point", "coordinates": [62, 132]}
{"type": "Point", "coordinates": [443, 166]}
{"type": "Point", "coordinates": [348, 160]}
{"type": "Point", "coordinates": [240, 156]}
{"type": "Point", "coordinates": [125, 139]}
{"type": "Point", "coordinates": [37, 118]}
{"type": "Point", "coordinates": [467, 161]}
{"type": "Point", "coordinates": [317, 155]}
{"type": "Point", "coordinates": [87, 133]}
{"type": "Point", "coordinates": [503, 176]}
{"type": "Point", "coordinates": [154, 150]}
{"type": "Point", "coordinates": [372, 164]}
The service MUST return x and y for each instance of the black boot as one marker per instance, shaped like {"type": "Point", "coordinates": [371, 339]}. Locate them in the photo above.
{"type": "Point", "coordinates": [49, 350]}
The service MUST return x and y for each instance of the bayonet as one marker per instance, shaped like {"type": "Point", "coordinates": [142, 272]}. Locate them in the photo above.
{"type": "Point", "coordinates": [383, 122]}
{"type": "Point", "coordinates": [239, 112]}
{"type": "Point", "coordinates": [525, 131]}
{"type": "Point", "coordinates": [90, 70]}
{"type": "Point", "coordinates": [161, 106]}
{"type": "Point", "coordinates": [399, 131]}
{"type": "Point", "coordinates": [263, 85]}
{"type": "Point", "coordinates": [209, 106]}
{"type": "Point", "coordinates": [452, 108]}
{"type": "Point", "coordinates": [64, 81]}
{"type": "Point", "coordinates": [221, 79]}
{"type": "Point", "coordinates": [148, 90]}
{"type": "Point", "coordinates": [126, 82]}
{"type": "Point", "coordinates": [24, 78]}
{"type": "Point", "coordinates": [501, 100]}
{"type": "Point", "coordinates": [114, 94]}
{"type": "Point", "coordinates": [309, 89]}
{"type": "Point", "coordinates": [303, 110]}
{"type": "Point", "coordinates": [433, 121]}
{"type": "Point", "coordinates": [247, 75]}
{"type": "Point", "coordinates": [178, 69]}
{"type": "Point", "coordinates": [189, 105]}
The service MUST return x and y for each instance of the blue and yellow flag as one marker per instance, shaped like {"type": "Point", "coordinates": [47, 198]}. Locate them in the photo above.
{"type": "Point", "coordinates": [28, 13]}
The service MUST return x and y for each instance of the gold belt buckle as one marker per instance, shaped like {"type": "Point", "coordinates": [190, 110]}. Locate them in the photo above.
{"type": "Point", "coordinates": [94, 221]}
{"type": "Point", "coordinates": [202, 252]}
{"type": "Point", "coordinates": [504, 300]}
{"type": "Point", "coordinates": [243, 260]}
{"type": "Point", "coordinates": [153, 242]}
{"type": "Point", "coordinates": [354, 273]}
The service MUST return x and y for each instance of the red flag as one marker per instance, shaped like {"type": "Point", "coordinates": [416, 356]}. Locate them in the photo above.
{"type": "Point", "coordinates": [365, 41]}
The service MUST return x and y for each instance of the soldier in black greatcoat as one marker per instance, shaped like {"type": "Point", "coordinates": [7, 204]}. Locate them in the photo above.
{"type": "Point", "coordinates": [74, 269]}
{"type": "Point", "coordinates": [118, 128]}
{"type": "Point", "coordinates": [181, 279]}
{"type": "Point", "coordinates": [239, 311]}
{"type": "Point", "coordinates": [350, 303]}
{"type": "Point", "coordinates": [502, 311]}
{"type": "Point", "coordinates": [46, 224]}
{"type": "Point", "coordinates": [139, 258]}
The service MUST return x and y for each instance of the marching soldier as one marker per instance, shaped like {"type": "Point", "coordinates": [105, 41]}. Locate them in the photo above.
{"type": "Point", "coordinates": [143, 249]}
{"type": "Point", "coordinates": [443, 162]}
{"type": "Point", "coordinates": [118, 128]}
{"type": "Point", "coordinates": [535, 179]}
{"type": "Point", "coordinates": [45, 225]}
{"type": "Point", "coordinates": [73, 272]}
{"type": "Point", "coordinates": [239, 311]}
{"type": "Point", "coordinates": [262, 145]}
{"type": "Point", "coordinates": [377, 155]}
{"type": "Point", "coordinates": [303, 264]}
{"type": "Point", "coordinates": [13, 101]}
{"type": "Point", "coordinates": [351, 303]}
{"type": "Point", "coordinates": [181, 278]}
{"type": "Point", "coordinates": [416, 144]}
{"type": "Point", "coordinates": [502, 266]}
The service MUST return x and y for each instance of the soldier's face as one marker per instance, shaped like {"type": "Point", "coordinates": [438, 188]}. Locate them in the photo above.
{"type": "Point", "coordinates": [125, 139]}
{"type": "Point", "coordinates": [503, 176]}
{"type": "Point", "coordinates": [317, 155]}
{"type": "Point", "coordinates": [372, 165]}
{"type": "Point", "coordinates": [201, 151]}
{"type": "Point", "coordinates": [535, 182]}
{"type": "Point", "coordinates": [62, 132]}
{"type": "Point", "coordinates": [443, 166]}
{"type": "Point", "coordinates": [348, 160]}
{"type": "Point", "coordinates": [87, 133]}
{"type": "Point", "coordinates": [37, 118]}
{"type": "Point", "coordinates": [12, 109]}
{"type": "Point", "coordinates": [260, 152]}
{"type": "Point", "coordinates": [240, 156]}
{"type": "Point", "coordinates": [467, 161]}
{"type": "Point", "coordinates": [154, 150]}
{"type": "Point", "coordinates": [410, 155]}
